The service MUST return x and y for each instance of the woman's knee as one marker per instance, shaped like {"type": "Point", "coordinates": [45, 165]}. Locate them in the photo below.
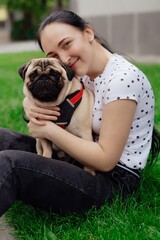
{"type": "Point", "coordinates": [10, 139]}
{"type": "Point", "coordinates": [11, 158]}
{"type": "Point", "coordinates": [6, 157]}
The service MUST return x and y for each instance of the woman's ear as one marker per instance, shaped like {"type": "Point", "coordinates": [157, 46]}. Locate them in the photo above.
{"type": "Point", "coordinates": [89, 33]}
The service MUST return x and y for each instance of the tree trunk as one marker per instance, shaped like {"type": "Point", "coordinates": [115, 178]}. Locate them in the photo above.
{"type": "Point", "coordinates": [28, 26]}
{"type": "Point", "coordinates": [59, 5]}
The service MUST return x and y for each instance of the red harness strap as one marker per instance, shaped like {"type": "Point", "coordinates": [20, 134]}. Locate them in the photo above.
{"type": "Point", "coordinates": [77, 97]}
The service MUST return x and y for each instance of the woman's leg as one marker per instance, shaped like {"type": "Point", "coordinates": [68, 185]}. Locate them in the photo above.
{"type": "Point", "coordinates": [10, 139]}
{"type": "Point", "coordinates": [56, 185]}
{"type": "Point", "coordinates": [45, 183]}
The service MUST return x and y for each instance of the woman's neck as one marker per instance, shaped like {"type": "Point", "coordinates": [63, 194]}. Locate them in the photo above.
{"type": "Point", "coordinates": [100, 59]}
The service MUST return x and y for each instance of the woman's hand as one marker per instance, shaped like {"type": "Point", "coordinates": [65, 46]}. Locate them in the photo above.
{"type": "Point", "coordinates": [40, 131]}
{"type": "Point", "coordinates": [39, 115]}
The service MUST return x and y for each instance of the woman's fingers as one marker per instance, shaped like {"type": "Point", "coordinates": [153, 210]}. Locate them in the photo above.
{"type": "Point", "coordinates": [46, 117]}
{"type": "Point", "coordinates": [44, 114]}
{"type": "Point", "coordinates": [45, 111]}
{"type": "Point", "coordinates": [36, 121]}
{"type": "Point", "coordinates": [36, 113]}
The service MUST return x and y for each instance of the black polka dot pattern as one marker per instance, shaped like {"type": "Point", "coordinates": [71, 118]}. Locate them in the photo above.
{"type": "Point", "coordinates": [122, 80]}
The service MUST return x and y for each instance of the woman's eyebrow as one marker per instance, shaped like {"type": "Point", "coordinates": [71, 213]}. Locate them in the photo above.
{"type": "Point", "coordinates": [62, 41]}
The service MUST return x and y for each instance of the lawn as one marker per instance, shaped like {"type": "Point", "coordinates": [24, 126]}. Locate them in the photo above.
{"type": "Point", "coordinates": [137, 218]}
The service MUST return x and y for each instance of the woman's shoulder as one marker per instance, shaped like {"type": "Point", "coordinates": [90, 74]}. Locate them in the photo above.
{"type": "Point", "coordinates": [118, 64]}
{"type": "Point", "coordinates": [119, 69]}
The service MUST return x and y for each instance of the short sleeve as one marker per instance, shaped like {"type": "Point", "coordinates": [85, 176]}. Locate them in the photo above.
{"type": "Point", "coordinates": [124, 85]}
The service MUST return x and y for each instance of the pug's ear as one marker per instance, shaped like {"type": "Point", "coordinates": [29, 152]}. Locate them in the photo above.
{"type": "Point", "coordinates": [22, 70]}
{"type": "Point", "coordinates": [69, 71]}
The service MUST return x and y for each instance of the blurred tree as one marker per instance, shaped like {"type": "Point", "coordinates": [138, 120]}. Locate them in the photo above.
{"type": "Point", "coordinates": [33, 11]}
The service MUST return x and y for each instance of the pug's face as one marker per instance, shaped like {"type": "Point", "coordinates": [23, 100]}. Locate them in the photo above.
{"type": "Point", "coordinates": [45, 77]}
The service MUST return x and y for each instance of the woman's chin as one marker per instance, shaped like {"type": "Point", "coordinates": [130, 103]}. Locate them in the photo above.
{"type": "Point", "coordinates": [80, 73]}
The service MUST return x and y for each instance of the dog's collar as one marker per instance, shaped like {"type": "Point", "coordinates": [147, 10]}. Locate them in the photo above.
{"type": "Point", "coordinates": [68, 106]}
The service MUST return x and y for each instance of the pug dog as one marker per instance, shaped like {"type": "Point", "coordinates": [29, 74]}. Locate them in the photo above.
{"type": "Point", "coordinates": [48, 82]}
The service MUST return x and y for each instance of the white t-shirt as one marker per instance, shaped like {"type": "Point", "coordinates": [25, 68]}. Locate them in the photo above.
{"type": "Point", "coordinates": [122, 80]}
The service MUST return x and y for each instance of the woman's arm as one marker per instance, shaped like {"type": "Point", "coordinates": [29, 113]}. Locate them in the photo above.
{"type": "Point", "coordinates": [103, 156]}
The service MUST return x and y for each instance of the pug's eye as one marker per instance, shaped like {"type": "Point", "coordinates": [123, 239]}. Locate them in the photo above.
{"type": "Point", "coordinates": [55, 74]}
{"type": "Point", "coordinates": [33, 74]}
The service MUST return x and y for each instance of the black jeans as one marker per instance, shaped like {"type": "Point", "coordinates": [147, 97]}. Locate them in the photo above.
{"type": "Point", "coordinates": [52, 184]}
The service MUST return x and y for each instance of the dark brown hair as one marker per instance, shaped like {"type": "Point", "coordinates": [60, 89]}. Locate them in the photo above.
{"type": "Point", "coordinates": [70, 18]}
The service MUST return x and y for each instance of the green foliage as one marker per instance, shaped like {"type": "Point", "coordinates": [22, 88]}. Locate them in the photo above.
{"type": "Point", "coordinates": [36, 7]}
{"type": "Point", "coordinates": [33, 12]}
{"type": "Point", "coordinates": [18, 33]}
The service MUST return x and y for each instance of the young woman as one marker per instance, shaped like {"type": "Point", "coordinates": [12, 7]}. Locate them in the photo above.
{"type": "Point", "coordinates": [123, 121]}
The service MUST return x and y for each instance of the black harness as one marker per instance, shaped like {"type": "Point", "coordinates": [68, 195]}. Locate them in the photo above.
{"type": "Point", "coordinates": [68, 106]}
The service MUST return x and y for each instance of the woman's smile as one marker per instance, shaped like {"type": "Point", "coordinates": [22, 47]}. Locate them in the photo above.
{"type": "Point", "coordinates": [74, 64]}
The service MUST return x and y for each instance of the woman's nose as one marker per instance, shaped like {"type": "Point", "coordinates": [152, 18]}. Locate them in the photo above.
{"type": "Point", "coordinates": [65, 58]}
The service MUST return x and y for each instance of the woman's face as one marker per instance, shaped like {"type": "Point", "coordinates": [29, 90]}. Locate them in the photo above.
{"type": "Point", "coordinates": [70, 45]}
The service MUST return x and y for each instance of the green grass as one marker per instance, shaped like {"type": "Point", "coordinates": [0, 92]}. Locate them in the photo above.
{"type": "Point", "coordinates": [11, 89]}
{"type": "Point", "coordinates": [137, 218]}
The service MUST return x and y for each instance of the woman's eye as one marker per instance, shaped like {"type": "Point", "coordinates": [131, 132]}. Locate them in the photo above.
{"type": "Point", "coordinates": [53, 56]}
{"type": "Point", "coordinates": [67, 44]}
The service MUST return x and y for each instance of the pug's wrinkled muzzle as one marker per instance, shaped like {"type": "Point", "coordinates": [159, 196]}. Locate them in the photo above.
{"type": "Point", "coordinates": [45, 87]}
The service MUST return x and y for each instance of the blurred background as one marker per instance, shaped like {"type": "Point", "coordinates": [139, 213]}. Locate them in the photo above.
{"type": "Point", "coordinates": [131, 27]}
